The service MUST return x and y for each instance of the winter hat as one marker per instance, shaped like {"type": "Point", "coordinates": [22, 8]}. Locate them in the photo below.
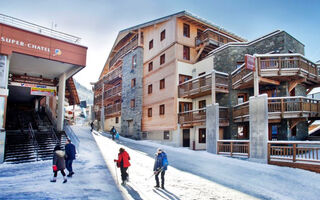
{"type": "Point", "coordinates": [159, 149]}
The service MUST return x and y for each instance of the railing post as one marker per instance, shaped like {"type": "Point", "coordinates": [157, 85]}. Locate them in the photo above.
{"type": "Point", "coordinates": [294, 153]}
{"type": "Point", "coordinates": [231, 148]}
{"type": "Point", "coordinates": [248, 146]}
{"type": "Point", "coordinates": [282, 108]}
{"type": "Point", "coordinates": [269, 148]}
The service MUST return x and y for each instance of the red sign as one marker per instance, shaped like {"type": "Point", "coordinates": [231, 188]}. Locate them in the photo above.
{"type": "Point", "coordinates": [250, 62]}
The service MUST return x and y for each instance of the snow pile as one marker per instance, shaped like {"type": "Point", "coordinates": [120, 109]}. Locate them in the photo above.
{"type": "Point", "coordinates": [91, 180]}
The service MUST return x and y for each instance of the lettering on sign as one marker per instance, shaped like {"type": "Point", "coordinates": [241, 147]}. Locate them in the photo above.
{"type": "Point", "coordinates": [27, 45]}
{"type": "Point", "coordinates": [250, 62]}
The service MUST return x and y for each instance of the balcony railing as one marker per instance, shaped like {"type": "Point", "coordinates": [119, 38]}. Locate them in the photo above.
{"type": "Point", "coordinates": [300, 154]}
{"type": "Point", "coordinates": [241, 111]}
{"type": "Point", "coordinates": [202, 85]}
{"type": "Point", "coordinates": [282, 107]}
{"type": "Point", "coordinates": [199, 116]}
{"type": "Point", "coordinates": [113, 109]}
{"type": "Point", "coordinates": [5, 19]}
{"type": "Point", "coordinates": [276, 66]}
{"type": "Point", "coordinates": [234, 148]}
{"type": "Point", "coordinates": [131, 45]}
{"type": "Point", "coordinates": [113, 91]}
{"type": "Point", "coordinates": [207, 35]}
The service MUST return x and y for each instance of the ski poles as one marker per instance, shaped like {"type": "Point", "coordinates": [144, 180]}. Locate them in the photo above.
{"type": "Point", "coordinates": [156, 172]}
{"type": "Point", "coordinates": [116, 173]}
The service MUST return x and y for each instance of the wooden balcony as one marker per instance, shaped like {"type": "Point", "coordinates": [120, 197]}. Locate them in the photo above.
{"type": "Point", "coordinates": [283, 108]}
{"type": "Point", "coordinates": [124, 50]}
{"type": "Point", "coordinates": [209, 39]}
{"type": "Point", "coordinates": [113, 92]}
{"type": "Point", "coordinates": [201, 85]}
{"type": "Point", "coordinates": [274, 68]}
{"type": "Point", "coordinates": [234, 148]}
{"type": "Point", "coordinates": [198, 117]}
{"type": "Point", "coordinates": [113, 110]}
{"type": "Point", "coordinates": [297, 154]}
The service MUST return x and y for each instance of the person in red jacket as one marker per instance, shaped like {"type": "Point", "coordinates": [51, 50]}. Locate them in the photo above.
{"type": "Point", "coordinates": [123, 163]}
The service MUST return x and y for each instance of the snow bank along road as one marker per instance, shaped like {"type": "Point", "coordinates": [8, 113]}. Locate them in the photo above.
{"type": "Point", "coordinates": [91, 180]}
{"type": "Point", "coordinates": [200, 175]}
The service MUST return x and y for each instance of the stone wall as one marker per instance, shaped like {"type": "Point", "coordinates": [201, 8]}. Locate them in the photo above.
{"type": "Point", "coordinates": [131, 117]}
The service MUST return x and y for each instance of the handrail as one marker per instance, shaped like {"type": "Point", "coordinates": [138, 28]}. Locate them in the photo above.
{"type": "Point", "coordinates": [33, 140]}
{"type": "Point", "coordinates": [234, 148]}
{"type": "Point", "coordinates": [55, 137]}
{"type": "Point", "coordinates": [130, 45]}
{"type": "Point", "coordinates": [5, 19]}
{"type": "Point", "coordinates": [71, 135]}
{"type": "Point", "coordinates": [113, 108]}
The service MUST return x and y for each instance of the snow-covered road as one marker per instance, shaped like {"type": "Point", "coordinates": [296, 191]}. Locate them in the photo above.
{"type": "Point", "coordinates": [92, 180]}
{"type": "Point", "coordinates": [200, 175]}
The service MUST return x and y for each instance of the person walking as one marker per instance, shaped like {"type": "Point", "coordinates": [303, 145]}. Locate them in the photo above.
{"type": "Point", "coordinates": [160, 167]}
{"type": "Point", "coordinates": [58, 164]}
{"type": "Point", "coordinates": [113, 132]}
{"type": "Point", "coordinates": [70, 156]}
{"type": "Point", "coordinates": [91, 124]}
{"type": "Point", "coordinates": [123, 163]}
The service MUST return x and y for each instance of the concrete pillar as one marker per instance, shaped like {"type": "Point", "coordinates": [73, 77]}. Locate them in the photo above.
{"type": "Point", "coordinates": [258, 115]}
{"type": "Point", "coordinates": [213, 86]}
{"type": "Point", "coordinates": [256, 78]}
{"type": "Point", "coordinates": [61, 95]}
{"type": "Point", "coordinates": [212, 127]}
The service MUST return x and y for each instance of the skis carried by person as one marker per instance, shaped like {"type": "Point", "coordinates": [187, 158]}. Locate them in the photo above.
{"type": "Point", "coordinates": [155, 173]}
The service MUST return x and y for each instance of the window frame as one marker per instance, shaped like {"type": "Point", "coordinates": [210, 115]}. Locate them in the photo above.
{"type": "Point", "coordinates": [133, 82]}
{"type": "Point", "coordinates": [163, 35]}
{"type": "Point", "coordinates": [132, 103]}
{"type": "Point", "coordinates": [150, 66]}
{"type": "Point", "coordinates": [166, 135]}
{"type": "Point", "coordinates": [162, 109]}
{"type": "Point", "coordinates": [201, 139]}
{"type": "Point", "coordinates": [134, 61]}
{"type": "Point", "coordinates": [150, 89]}
{"type": "Point", "coordinates": [186, 30]}
{"type": "Point", "coordinates": [186, 52]}
{"type": "Point", "coordinates": [162, 84]}
{"type": "Point", "coordinates": [150, 44]}
{"type": "Point", "coordinates": [149, 112]}
{"type": "Point", "coordinates": [162, 59]}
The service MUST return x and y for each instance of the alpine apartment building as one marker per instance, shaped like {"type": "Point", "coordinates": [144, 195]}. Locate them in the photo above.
{"type": "Point", "coordinates": [161, 75]}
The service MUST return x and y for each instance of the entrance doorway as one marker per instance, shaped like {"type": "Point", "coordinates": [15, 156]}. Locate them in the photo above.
{"type": "Point", "coordinates": [186, 137]}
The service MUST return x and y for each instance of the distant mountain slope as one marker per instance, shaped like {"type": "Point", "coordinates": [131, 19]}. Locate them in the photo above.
{"type": "Point", "coordinates": [84, 93]}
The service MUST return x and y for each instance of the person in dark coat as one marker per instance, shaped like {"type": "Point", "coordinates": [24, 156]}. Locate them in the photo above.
{"type": "Point", "coordinates": [123, 163]}
{"type": "Point", "coordinates": [91, 124]}
{"type": "Point", "coordinates": [113, 132]}
{"type": "Point", "coordinates": [58, 163]}
{"type": "Point", "coordinates": [70, 156]}
{"type": "Point", "coordinates": [160, 167]}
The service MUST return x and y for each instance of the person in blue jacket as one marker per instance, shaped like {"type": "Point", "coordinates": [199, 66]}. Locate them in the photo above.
{"type": "Point", "coordinates": [70, 156]}
{"type": "Point", "coordinates": [160, 167]}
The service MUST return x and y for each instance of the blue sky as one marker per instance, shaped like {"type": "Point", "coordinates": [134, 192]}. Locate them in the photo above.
{"type": "Point", "coordinates": [98, 22]}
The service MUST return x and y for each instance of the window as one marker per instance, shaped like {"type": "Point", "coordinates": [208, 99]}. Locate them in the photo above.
{"type": "Point", "coordinates": [134, 61]}
{"type": "Point", "coordinates": [133, 83]}
{"type": "Point", "coordinates": [132, 103]}
{"type": "Point", "coordinates": [242, 97]}
{"type": "Point", "coordinates": [150, 89]}
{"type": "Point", "coordinates": [202, 104]}
{"type": "Point", "coordinates": [183, 78]}
{"type": "Point", "coordinates": [186, 53]}
{"type": "Point", "coordinates": [221, 39]}
{"type": "Point", "coordinates": [117, 120]}
{"type": "Point", "coordinates": [162, 59]}
{"type": "Point", "coordinates": [151, 44]}
{"type": "Point", "coordinates": [163, 35]}
{"type": "Point", "coordinates": [149, 112]}
{"type": "Point", "coordinates": [202, 135]}
{"type": "Point", "coordinates": [150, 68]}
{"type": "Point", "coordinates": [166, 135]}
{"type": "Point", "coordinates": [243, 131]}
{"type": "Point", "coordinates": [161, 109]}
{"type": "Point", "coordinates": [186, 30]}
{"type": "Point", "coordinates": [162, 84]}
{"type": "Point", "coordinates": [199, 32]}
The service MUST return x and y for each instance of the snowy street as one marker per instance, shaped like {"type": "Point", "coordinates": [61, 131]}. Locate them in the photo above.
{"type": "Point", "coordinates": [200, 175]}
{"type": "Point", "coordinates": [91, 180]}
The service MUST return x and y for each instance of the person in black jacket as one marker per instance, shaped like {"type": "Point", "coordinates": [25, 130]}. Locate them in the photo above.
{"type": "Point", "coordinates": [58, 163]}
{"type": "Point", "coordinates": [113, 132]}
{"type": "Point", "coordinates": [70, 156]}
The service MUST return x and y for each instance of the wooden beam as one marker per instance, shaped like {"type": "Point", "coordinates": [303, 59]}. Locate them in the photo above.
{"type": "Point", "coordinates": [269, 81]}
{"type": "Point", "coordinates": [294, 122]}
{"type": "Point", "coordinates": [294, 83]}
{"type": "Point", "coordinates": [199, 53]}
